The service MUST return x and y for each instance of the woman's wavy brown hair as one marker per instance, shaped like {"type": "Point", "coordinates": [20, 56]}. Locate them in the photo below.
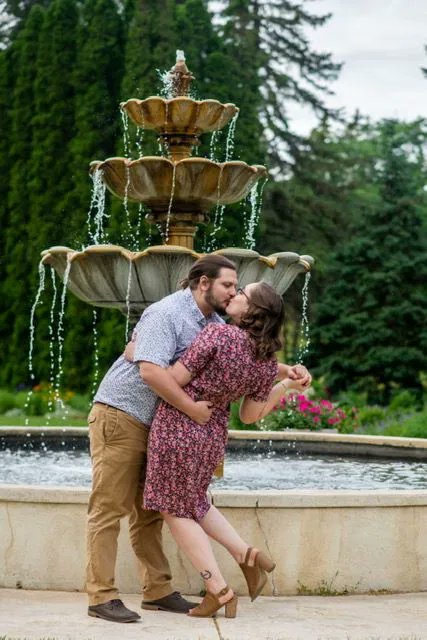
{"type": "Point", "coordinates": [264, 319]}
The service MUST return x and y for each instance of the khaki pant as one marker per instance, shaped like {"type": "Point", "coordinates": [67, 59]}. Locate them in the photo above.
{"type": "Point", "coordinates": [118, 447]}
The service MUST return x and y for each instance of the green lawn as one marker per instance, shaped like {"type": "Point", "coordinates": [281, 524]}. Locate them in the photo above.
{"type": "Point", "coordinates": [40, 421]}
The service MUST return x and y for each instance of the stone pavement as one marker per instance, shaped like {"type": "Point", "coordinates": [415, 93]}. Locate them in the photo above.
{"type": "Point", "coordinates": [59, 615]}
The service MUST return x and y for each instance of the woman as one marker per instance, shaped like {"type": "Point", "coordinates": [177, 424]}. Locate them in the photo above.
{"type": "Point", "coordinates": [224, 363]}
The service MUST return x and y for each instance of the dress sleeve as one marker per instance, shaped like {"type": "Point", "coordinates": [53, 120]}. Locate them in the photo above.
{"type": "Point", "coordinates": [202, 349]}
{"type": "Point", "coordinates": [264, 382]}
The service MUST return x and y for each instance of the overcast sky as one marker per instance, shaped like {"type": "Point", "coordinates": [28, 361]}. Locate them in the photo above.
{"type": "Point", "coordinates": [381, 43]}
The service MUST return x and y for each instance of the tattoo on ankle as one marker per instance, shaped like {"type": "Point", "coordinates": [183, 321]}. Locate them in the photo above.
{"type": "Point", "coordinates": [206, 574]}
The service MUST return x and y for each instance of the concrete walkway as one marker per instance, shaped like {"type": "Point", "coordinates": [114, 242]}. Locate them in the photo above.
{"type": "Point", "coordinates": [58, 615]}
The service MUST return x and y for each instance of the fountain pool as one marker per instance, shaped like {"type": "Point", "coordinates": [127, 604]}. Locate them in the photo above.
{"type": "Point", "coordinates": [243, 471]}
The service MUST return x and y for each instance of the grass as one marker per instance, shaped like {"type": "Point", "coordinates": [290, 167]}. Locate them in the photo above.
{"type": "Point", "coordinates": [40, 421]}
{"type": "Point", "coordinates": [326, 588]}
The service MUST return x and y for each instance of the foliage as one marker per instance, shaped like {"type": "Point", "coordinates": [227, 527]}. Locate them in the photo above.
{"type": "Point", "coordinates": [7, 400]}
{"type": "Point", "coordinates": [367, 336]}
{"type": "Point", "coordinates": [299, 412]}
{"type": "Point", "coordinates": [277, 63]}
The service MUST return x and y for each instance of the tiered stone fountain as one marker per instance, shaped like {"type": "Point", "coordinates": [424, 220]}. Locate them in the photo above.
{"type": "Point", "coordinates": [179, 191]}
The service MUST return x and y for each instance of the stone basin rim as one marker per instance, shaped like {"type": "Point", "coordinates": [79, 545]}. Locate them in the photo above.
{"type": "Point", "coordinates": [274, 436]}
{"type": "Point", "coordinates": [255, 168]}
{"type": "Point", "coordinates": [73, 254]}
{"type": "Point", "coordinates": [261, 498]}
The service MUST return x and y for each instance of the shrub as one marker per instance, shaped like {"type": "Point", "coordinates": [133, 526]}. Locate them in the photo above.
{"type": "Point", "coordinates": [7, 401]}
{"type": "Point", "coordinates": [402, 402]}
{"type": "Point", "coordinates": [413, 427]}
{"type": "Point", "coordinates": [298, 412]}
{"type": "Point", "coordinates": [371, 415]}
{"type": "Point", "coordinates": [79, 402]}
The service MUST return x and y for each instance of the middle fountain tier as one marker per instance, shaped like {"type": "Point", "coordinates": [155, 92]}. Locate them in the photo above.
{"type": "Point", "coordinates": [178, 191]}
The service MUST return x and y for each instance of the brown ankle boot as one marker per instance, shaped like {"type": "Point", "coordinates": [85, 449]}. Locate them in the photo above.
{"type": "Point", "coordinates": [211, 604]}
{"type": "Point", "coordinates": [256, 576]}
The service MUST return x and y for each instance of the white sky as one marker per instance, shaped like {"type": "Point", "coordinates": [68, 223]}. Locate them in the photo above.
{"type": "Point", "coordinates": [381, 43]}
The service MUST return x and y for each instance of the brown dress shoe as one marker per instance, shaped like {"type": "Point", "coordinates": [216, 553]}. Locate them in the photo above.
{"type": "Point", "coordinates": [174, 603]}
{"type": "Point", "coordinates": [113, 611]}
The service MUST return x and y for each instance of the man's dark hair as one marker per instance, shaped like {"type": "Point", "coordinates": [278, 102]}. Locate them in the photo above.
{"type": "Point", "coordinates": [208, 266]}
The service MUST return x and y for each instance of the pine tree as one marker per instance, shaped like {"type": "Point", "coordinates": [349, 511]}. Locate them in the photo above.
{"type": "Point", "coordinates": [277, 65]}
{"type": "Point", "coordinates": [17, 287]}
{"type": "Point", "coordinates": [97, 77]}
{"type": "Point", "coordinates": [96, 80]}
{"type": "Point", "coordinates": [51, 195]}
{"type": "Point", "coordinates": [370, 332]}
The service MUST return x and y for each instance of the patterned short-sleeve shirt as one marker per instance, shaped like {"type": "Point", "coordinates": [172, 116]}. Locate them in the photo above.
{"type": "Point", "coordinates": [162, 334]}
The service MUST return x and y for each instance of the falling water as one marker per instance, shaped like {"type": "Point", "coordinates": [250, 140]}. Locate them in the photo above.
{"type": "Point", "coordinates": [212, 145]}
{"type": "Point", "coordinates": [166, 84]}
{"type": "Point", "coordinates": [128, 300]}
{"type": "Point", "coordinates": [60, 339]}
{"type": "Point", "coordinates": [50, 405]}
{"type": "Point", "coordinates": [229, 145]}
{"type": "Point", "coordinates": [219, 213]}
{"type": "Point", "coordinates": [305, 329]}
{"type": "Point", "coordinates": [97, 204]}
{"type": "Point", "coordinates": [42, 275]}
{"type": "Point", "coordinates": [255, 200]}
{"type": "Point", "coordinates": [138, 227]}
{"type": "Point", "coordinates": [139, 139]}
{"type": "Point", "coordinates": [126, 136]}
{"type": "Point", "coordinates": [166, 238]}
{"type": "Point", "coordinates": [129, 237]}
{"type": "Point", "coordinates": [150, 232]}
{"type": "Point", "coordinates": [95, 353]}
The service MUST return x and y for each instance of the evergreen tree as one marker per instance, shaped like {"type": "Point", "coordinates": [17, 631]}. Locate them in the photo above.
{"type": "Point", "coordinates": [277, 64]}
{"type": "Point", "coordinates": [97, 80]}
{"type": "Point", "coordinates": [51, 196]}
{"type": "Point", "coordinates": [370, 331]}
{"type": "Point", "coordinates": [97, 77]}
{"type": "Point", "coordinates": [20, 269]}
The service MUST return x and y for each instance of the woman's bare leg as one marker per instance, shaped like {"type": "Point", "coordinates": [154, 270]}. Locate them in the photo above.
{"type": "Point", "coordinates": [194, 543]}
{"type": "Point", "coordinates": [217, 527]}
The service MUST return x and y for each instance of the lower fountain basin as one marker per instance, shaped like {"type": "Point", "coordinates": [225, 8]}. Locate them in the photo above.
{"type": "Point", "coordinates": [111, 276]}
{"type": "Point", "coordinates": [243, 471]}
{"type": "Point", "coordinates": [345, 540]}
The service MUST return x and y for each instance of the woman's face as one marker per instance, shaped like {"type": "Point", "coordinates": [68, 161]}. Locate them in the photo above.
{"type": "Point", "coordinates": [239, 305]}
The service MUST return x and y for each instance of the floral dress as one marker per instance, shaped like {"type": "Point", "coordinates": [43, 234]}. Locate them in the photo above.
{"type": "Point", "coordinates": [182, 455]}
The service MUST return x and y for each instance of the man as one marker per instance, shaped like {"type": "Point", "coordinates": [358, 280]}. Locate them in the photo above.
{"type": "Point", "coordinates": [123, 409]}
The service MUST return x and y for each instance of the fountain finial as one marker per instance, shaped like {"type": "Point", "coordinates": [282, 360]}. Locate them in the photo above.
{"type": "Point", "coordinates": [180, 77]}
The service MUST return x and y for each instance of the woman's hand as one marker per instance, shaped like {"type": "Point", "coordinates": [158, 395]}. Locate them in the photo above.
{"type": "Point", "coordinates": [301, 374]}
{"type": "Point", "coordinates": [201, 412]}
{"type": "Point", "coordinates": [294, 385]}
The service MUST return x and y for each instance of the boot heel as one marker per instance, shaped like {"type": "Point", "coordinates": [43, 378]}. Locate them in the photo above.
{"type": "Point", "coordinates": [264, 562]}
{"type": "Point", "coordinates": [231, 608]}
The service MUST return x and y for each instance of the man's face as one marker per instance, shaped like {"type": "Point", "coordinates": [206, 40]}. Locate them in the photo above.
{"type": "Point", "coordinates": [220, 291]}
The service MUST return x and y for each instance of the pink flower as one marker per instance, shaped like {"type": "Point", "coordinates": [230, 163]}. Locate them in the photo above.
{"type": "Point", "coordinates": [326, 404]}
{"type": "Point", "coordinates": [316, 419]}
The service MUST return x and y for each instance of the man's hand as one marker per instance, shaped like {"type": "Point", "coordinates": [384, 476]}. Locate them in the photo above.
{"type": "Point", "coordinates": [300, 373]}
{"type": "Point", "coordinates": [202, 411]}
{"type": "Point", "coordinates": [129, 351]}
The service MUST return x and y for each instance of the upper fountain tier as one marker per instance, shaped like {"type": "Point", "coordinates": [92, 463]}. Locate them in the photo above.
{"type": "Point", "coordinates": [180, 120]}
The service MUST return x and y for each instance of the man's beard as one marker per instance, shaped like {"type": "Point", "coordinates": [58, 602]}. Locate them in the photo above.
{"type": "Point", "coordinates": [213, 302]}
